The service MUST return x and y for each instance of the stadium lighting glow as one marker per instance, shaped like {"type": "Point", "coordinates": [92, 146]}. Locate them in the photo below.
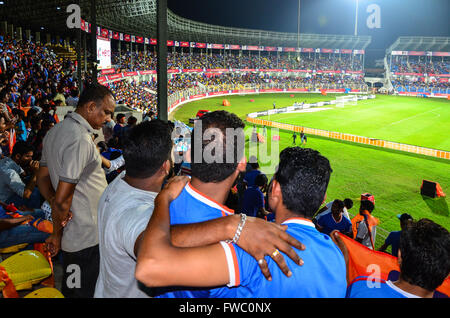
{"type": "Point", "coordinates": [356, 18]}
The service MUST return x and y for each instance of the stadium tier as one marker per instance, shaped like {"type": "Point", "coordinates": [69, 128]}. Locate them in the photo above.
{"type": "Point", "coordinates": [420, 65]}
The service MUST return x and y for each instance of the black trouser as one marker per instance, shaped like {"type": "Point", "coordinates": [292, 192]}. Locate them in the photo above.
{"type": "Point", "coordinates": [80, 272]}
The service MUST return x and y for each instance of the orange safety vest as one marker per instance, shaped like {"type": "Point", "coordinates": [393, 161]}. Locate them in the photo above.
{"type": "Point", "coordinates": [371, 220]}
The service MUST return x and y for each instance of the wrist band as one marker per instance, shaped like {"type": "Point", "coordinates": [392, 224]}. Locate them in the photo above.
{"type": "Point", "coordinates": [241, 224]}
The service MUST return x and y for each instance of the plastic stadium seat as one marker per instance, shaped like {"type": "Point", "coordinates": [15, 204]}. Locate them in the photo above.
{"type": "Point", "coordinates": [45, 292]}
{"type": "Point", "coordinates": [13, 249]}
{"type": "Point", "coordinates": [26, 268]}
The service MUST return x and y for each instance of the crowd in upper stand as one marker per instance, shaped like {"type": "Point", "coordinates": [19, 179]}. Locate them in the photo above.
{"type": "Point", "coordinates": [127, 61]}
{"type": "Point", "coordinates": [420, 65]}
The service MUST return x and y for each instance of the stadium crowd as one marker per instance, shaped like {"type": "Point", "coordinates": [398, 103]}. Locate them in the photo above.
{"type": "Point", "coordinates": [131, 61]}
{"type": "Point", "coordinates": [424, 70]}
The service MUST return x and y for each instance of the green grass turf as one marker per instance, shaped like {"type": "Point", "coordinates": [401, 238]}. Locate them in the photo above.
{"type": "Point", "coordinates": [416, 121]}
{"type": "Point", "coordinates": [393, 177]}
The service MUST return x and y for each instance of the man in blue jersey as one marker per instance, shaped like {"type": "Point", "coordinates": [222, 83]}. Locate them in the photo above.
{"type": "Point", "coordinates": [335, 220]}
{"type": "Point", "coordinates": [217, 158]}
{"type": "Point", "coordinates": [393, 238]}
{"type": "Point", "coordinates": [253, 201]}
{"type": "Point", "coordinates": [424, 260]}
{"type": "Point", "coordinates": [297, 190]}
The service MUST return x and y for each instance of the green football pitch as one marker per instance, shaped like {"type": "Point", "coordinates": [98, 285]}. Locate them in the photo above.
{"type": "Point", "coordinates": [393, 177]}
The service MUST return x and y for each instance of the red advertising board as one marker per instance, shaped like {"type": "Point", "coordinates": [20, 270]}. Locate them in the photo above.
{"type": "Point", "coordinates": [289, 49]}
{"type": "Point", "coordinates": [300, 71]}
{"type": "Point", "coordinates": [198, 96]}
{"type": "Point", "coordinates": [107, 71]}
{"type": "Point", "coordinates": [329, 71]}
{"type": "Point", "coordinates": [235, 47]}
{"type": "Point", "coordinates": [217, 93]}
{"type": "Point", "coordinates": [409, 74]}
{"type": "Point", "coordinates": [147, 72]}
{"type": "Point", "coordinates": [297, 89]}
{"type": "Point", "coordinates": [270, 70]}
{"type": "Point", "coordinates": [216, 46]}
{"type": "Point", "coordinates": [307, 50]}
{"type": "Point", "coordinates": [127, 74]}
{"type": "Point", "coordinates": [170, 43]}
{"type": "Point", "coordinates": [139, 39]}
{"type": "Point", "coordinates": [218, 70]}
{"type": "Point", "coordinates": [127, 37]}
{"type": "Point", "coordinates": [345, 51]}
{"type": "Point", "coordinates": [116, 36]}
{"type": "Point", "coordinates": [114, 76]}
{"type": "Point", "coordinates": [252, 48]}
{"type": "Point", "coordinates": [184, 44]}
{"type": "Point", "coordinates": [198, 70]}
{"type": "Point", "coordinates": [270, 48]}
{"type": "Point", "coordinates": [274, 90]}
{"type": "Point", "coordinates": [326, 51]}
{"type": "Point", "coordinates": [173, 71]}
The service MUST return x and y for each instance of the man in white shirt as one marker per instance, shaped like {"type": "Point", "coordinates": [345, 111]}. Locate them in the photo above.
{"type": "Point", "coordinates": [127, 204]}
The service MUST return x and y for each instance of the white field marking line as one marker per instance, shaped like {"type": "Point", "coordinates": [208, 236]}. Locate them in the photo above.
{"type": "Point", "coordinates": [407, 118]}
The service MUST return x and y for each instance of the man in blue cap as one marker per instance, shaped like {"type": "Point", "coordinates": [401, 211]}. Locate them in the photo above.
{"type": "Point", "coordinates": [393, 238]}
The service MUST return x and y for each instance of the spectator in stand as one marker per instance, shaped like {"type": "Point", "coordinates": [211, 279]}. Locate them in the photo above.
{"type": "Point", "coordinates": [364, 225]}
{"type": "Point", "coordinates": [14, 231]}
{"type": "Point", "coordinates": [393, 238]}
{"type": "Point", "coordinates": [214, 265]}
{"type": "Point", "coordinates": [252, 171]}
{"type": "Point", "coordinates": [335, 220]}
{"type": "Point", "coordinates": [13, 171]}
{"type": "Point", "coordinates": [37, 143]}
{"type": "Point", "coordinates": [424, 261]}
{"type": "Point", "coordinates": [130, 124]}
{"type": "Point", "coordinates": [20, 127]}
{"type": "Point", "coordinates": [118, 130]}
{"type": "Point", "coordinates": [348, 204]}
{"type": "Point", "coordinates": [72, 180]}
{"type": "Point", "coordinates": [253, 200]}
{"type": "Point", "coordinates": [108, 128]}
{"type": "Point", "coordinates": [72, 100]}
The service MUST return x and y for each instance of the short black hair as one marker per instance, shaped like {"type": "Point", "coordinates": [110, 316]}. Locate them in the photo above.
{"type": "Point", "coordinates": [425, 253]}
{"type": "Point", "coordinates": [94, 93]}
{"type": "Point", "coordinates": [120, 116]}
{"type": "Point", "coordinates": [223, 167]}
{"type": "Point", "coordinates": [303, 175]}
{"type": "Point", "coordinates": [146, 147]}
{"type": "Point", "coordinates": [339, 204]}
{"type": "Point", "coordinates": [21, 148]}
{"type": "Point", "coordinates": [261, 180]}
{"type": "Point", "coordinates": [366, 205]}
{"type": "Point", "coordinates": [348, 203]}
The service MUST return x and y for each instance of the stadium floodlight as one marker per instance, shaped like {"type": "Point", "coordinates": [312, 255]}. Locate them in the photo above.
{"type": "Point", "coordinates": [356, 18]}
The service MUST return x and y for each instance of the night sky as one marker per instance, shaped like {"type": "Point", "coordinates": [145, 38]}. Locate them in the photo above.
{"type": "Point", "coordinates": [397, 17]}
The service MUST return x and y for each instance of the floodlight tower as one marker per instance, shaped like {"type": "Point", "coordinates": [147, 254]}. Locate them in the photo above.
{"type": "Point", "coordinates": [356, 18]}
{"type": "Point", "coordinates": [298, 31]}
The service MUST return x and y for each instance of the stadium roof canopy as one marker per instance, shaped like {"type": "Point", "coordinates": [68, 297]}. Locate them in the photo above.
{"type": "Point", "coordinates": [420, 43]}
{"type": "Point", "coordinates": [138, 17]}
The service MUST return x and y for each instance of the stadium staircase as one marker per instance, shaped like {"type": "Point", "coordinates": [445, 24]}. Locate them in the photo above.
{"type": "Point", "coordinates": [388, 76]}
{"type": "Point", "coordinates": [67, 52]}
